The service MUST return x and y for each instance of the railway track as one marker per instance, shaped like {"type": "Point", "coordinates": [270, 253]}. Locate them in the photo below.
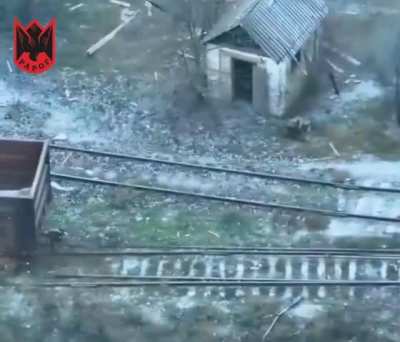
{"type": "Point", "coordinates": [253, 174]}
{"type": "Point", "coordinates": [223, 271]}
{"type": "Point", "coordinates": [229, 199]}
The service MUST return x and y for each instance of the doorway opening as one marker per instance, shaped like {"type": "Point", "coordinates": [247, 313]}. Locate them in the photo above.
{"type": "Point", "coordinates": [242, 80]}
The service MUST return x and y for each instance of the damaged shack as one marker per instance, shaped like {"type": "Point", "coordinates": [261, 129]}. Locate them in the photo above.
{"type": "Point", "coordinates": [261, 52]}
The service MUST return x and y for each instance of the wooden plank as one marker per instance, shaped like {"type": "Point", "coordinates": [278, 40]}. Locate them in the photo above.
{"type": "Point", "coordinates": [40, 167]}
{"type": "Point", "coordinates": [43, 184]}
{"type": "Point", "coordinates": [39, 214]}
{"type": "Point", "coordinates": [103, 41]}
{"type": "Point", "coordinates": [121, 3]}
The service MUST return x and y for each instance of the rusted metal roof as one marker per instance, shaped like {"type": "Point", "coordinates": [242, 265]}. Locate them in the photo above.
{"type": "Point", "coordinates": [279, 27]}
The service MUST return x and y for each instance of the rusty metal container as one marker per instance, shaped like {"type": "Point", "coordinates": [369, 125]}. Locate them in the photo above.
{"type": "Point", "coordinates": [25, 193]}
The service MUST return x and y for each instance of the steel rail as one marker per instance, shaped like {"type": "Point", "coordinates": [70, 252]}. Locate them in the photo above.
{"type": "Point", "coordinates": [375, 254]}
{"type": "Point", "coordinates": [200, 279]}
{"type": "Point", "coordinates": [262, 175]}
{"type": "Point", "coordinates": [322, 212]}
{"type": "Point", "coordinates": [257, 249]}
{"type": "Point", "coordinates": [202, 283]}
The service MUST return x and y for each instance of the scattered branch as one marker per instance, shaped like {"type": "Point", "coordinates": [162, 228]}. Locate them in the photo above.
{"type": "Point", "coordinates": [279, 315]}
{"type": "Point", "coordinates": [335, 151]}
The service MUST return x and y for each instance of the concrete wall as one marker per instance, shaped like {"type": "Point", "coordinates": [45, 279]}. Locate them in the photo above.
{"type": "Point", "coordinates": [219, 74]}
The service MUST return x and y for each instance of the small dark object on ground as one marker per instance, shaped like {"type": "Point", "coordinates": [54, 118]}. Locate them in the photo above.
{"type": "Point", "coordinates": [297, 127]}
{"type": "Point", "coordinates": [334, 83]}
{"type": "Point", "coordinates": [55, 236]}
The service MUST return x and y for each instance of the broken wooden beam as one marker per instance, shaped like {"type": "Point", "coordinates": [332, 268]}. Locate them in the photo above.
{"type": "Point", "coordinates": [10, 69]}
{"type": "Point", "coordinates": [334, 66]}
{"type": "Point", "coordinates": [103, 41]}
{"type": "Point", "coordinates": [75, 7]}
{"type": "Point", "coordinates": [335, 151]}
{"type": "Point", "coordinates": [345, 56]}
{"type": "Point", "coordinates": [121, 3]}
{"type": "Point", "coordinates": [334, 83]}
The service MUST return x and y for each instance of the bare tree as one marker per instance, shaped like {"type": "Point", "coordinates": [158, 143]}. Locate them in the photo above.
{"type": "Point", "coordinates": [194, 18]}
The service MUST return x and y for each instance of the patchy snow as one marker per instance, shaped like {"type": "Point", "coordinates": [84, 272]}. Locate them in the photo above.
{"type": "Point", "coordinates": [307, 310]}
{"type": "Point", "coordinates": [6, 97]}
{"type": "Point", "coordinates": [63, 121]}
{"type": "Point", "coordinates": [368, 172]}
{"type": "Point", "coordinates": [185, 302]}
{"type": "Point", "coordinates": [154, 314]}
{"type": "Point", "coordinates": [67, 122]}
{"type": "Point", "coordinates": [366, 90]}
{"type": "Point", "coordinates": [15, 301]}
{"type": "Point", "coordinates": [182, 180]}
{"type": "Point", "coordinates": [352, 229]}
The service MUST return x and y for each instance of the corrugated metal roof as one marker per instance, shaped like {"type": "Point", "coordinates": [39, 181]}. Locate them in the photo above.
{"type": "Point", "coordinates": [279, 27]}
{"type": "Point", "coordinates": [231, 19]}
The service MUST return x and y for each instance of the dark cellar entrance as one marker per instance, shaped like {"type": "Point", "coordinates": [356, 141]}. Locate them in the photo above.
{"type": "Point", "coordinates": [242, 80]}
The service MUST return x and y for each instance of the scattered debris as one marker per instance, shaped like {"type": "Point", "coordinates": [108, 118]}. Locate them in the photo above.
{"type": "Point", "coordinates": [185, 55]}
{"type": "Point", "coordinates": [103, 41]}
{"type": "Point", "coordinates": [58, 187]}
{"type": "Point", "coordinates": [75, 7]}
{"type": "Point", "coordinates": [214, 234]}
{"type": "Point", "coordinates": [153, 4]}
{"type": "Point", "coordinates": [55, 236]}
{"type": "Point", "coordinates": [334, 83]}
{"type": "Point", "coordinates": [279, 315]}
{"type": "Point", "coordinates": [149, 8]}
{"type": "Point", "coordinates": [121, 3]}
{"type": "Point", "coordinates": [335, 67]}
{"type": "Point", "coordinates": [126, 14]}
{"type": "Point", "coordinates": [10, 69]}
{"type": "Point", "coordinates": [345, 56]}
{"type": "Point", "coordinates": [68, 96]}
{"type": "Point", "coordinates": [66, 159]}
{"type": "Point", "coordinates": [335, 151]}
